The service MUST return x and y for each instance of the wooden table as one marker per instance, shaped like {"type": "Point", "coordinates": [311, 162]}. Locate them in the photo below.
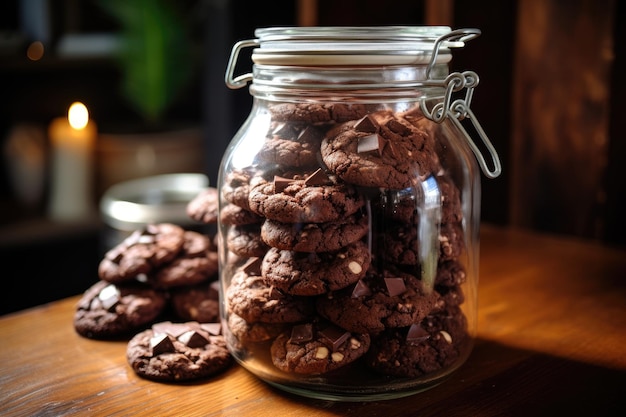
{"type": "Point", "coordinates": [552, 341]}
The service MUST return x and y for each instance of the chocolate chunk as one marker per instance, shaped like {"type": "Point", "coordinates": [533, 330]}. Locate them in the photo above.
{"type": "Point", "coordinates": [193, 339]}
{"type": "Point", "coordinates": [361, 289]}
{"type": "Point", "coordinates": [308, 134]}
{"type": "Point", "coordinates": [109, 297]}
{"type": "Point", "coordinates": [252, 266]}
{"type": "Point", "coordinates": [416, 335]}
{"type": "Point", "coordinates": [167, 327]}
{"type": "Point", "coordinates": [334, 336]}
{"type": "Point", "coordinates": [398, 127]}
{"type": "Point", "coordinates": [214, 329]}
{"type": "Point", "coordinates": [301, 333]}
{"type": "Point", "coordinates": [161, 343]}
{"type": "Point", "coordinates": [395, 286]}
{"type": "Point", "coordinates": [394, 150]}
{"type": "Point", "coordinates": [281, 183]}
{"type": "Point", "coordinates": [371, 143]}
{"type": "Point", "coordinates": [319, 177]}
{"type": "Point", "coordinates": [366, 125]}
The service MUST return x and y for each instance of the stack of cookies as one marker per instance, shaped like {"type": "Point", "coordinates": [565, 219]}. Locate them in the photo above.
{"type": "Point", "coordinates": [326, 235]}
{"type": "Point", "coordinates": [161, 271]}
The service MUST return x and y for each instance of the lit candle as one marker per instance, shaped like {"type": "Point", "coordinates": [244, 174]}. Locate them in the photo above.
{"type": "Point", "coordinates": [72, 144]}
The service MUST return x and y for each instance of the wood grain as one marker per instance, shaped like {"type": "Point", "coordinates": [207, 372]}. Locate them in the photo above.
{"type": "Point", "coordinates": [552, 315]}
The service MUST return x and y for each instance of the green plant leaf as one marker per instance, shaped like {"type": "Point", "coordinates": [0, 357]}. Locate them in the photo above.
{"type": "Point", "coordinates": [155, 53]}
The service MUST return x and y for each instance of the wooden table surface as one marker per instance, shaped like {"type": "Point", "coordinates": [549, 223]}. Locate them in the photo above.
{"type": "Point", "coordinates": [552, 341]}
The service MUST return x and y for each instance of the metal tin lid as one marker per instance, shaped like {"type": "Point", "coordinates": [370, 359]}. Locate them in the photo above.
{"type": "Point", "coordinates": [132, 204]}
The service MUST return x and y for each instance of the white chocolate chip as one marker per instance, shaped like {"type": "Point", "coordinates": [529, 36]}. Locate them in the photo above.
{"type": "Point", "coordinates": [341, 256]}
{"type": "Point", "coordinates": [446, 336]}
{"type": "Point", "coordinates": [321, 353]}
{"type": "Point", "coordinates": [354, 343]}
{"type": "Point", "coordinates": [337, 356]}
{"type": "Point", "coordinates": [355, 267]}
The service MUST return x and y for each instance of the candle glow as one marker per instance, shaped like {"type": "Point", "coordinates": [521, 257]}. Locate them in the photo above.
{"type": "Point", "coordinates": [78, 115]}
{"type": "Point", "coordinates": [72, 139]}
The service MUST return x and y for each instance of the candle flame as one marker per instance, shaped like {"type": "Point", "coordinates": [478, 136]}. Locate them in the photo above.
{"type": "Point", "coordinates": [78, 115]}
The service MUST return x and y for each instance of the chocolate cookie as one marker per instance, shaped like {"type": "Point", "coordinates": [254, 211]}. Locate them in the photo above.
{"type": "Point", "coordinates": [236, 187]}
{"type": "Point", "coordinates": [437, 342]}
{"type": "Point", "coordinates": [314, 113]}
{"type": "Point", "coordinates": [315, 349]}
{"type": "Point", "coordinates": [107, 310]}
{"type": "Point", "coordinates": [196, 262]}
{"type": "Point", "coordinates": [176, 352]}
{"type": "Point", "coordinates": [203, 207]}
{"type": "Point", "coordinates": [142, 252]}
{"type": "Point", "coordinates": [380, 150]}
{"type": "Point", "coordinates": [246, 241]}
{"type": "Point", "coordinates": [313, 199]}
{"type": "Point", "coordinates": [310, 273]}
{"type": "Point", "coordinates": [401, 243]}
{"type": "Point", "coordinates": [377, 302]}
{"type": "Point", "coordinates": [315, 237]}
{"type": "Point", "coordinates": [198, 302]}
{"type": "Point", "coordinates": [450, 273]}
{"type": "Point", "coordinates": [402, 205]}
{"type": "Point", "coordinates": [246, 332]}
{"type": "Point", "coordinates": [291, 145]}
{"type": "Point", "coordinates": [233, 214]}
{"type": "Point", "coordinates": [252, 299]}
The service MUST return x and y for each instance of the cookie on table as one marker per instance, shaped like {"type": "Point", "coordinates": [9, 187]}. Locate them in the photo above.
{"type": "Point", "coordinates": [194, 263]}
{"type": "Point", "coordinates": [142, 252]}
{"type": "Point", "coordinates": [312, 348]}
{"type": "Point", "coordinates": [198, 302]}
{"type": "Point", "coordinates": [245, 240]}
{"type": "Point", "coordinates": [203, 207]}
{"type": "Point", "coordinates": [435, 343]}
{"type": "Point", "coordinates": [380, 150]}
{"type": "Point", "coordinates": [315, 237]}
{"type": "Point", "coordinates": [252, 299]}
{"type": "Point", "coordinates": [108, 310]}
{"type": "Point", "coordinates": [377, 302]}
{"type": "Point", "coordinates": [291, 145]}
{"type": "Point", "coordinates": [310, 273]}
{"type": "Point", "coordinates": [312, 199]}
{"type": "Point", "coordinates": [176, 352]}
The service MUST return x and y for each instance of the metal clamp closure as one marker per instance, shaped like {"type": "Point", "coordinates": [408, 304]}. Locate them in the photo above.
{"type": "Point", "coordinates": [458, 110]}
{"type": "Point", "coordinates": [242, 80]}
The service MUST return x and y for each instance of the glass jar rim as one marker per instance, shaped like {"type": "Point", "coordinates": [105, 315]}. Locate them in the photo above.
{"type": "Point", "coordinates": [352, 45]}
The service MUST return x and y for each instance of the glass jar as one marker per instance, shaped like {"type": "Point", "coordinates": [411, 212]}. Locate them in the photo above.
{"type": "Point", "coordinates": [349, 211]}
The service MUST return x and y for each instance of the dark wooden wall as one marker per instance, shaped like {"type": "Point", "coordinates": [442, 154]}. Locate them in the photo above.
{"type": "Point", "coordinates": [550, 99]}
{"type": "Point", "coordinates": [561, 114]}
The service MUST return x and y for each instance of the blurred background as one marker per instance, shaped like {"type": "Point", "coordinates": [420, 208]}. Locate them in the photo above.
{"type": "Point", "coordinates": [550, 100]}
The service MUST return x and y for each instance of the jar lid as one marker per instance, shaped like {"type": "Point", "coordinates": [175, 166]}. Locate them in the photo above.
{"type": "Point", "coordinates": [334, 45]}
